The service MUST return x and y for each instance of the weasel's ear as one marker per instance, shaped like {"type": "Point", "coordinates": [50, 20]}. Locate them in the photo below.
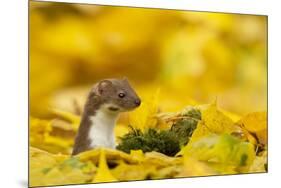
{"type": "Point", "coordinates": [102, 86]}
{"type": "Point", "coordinates": [125, 79]}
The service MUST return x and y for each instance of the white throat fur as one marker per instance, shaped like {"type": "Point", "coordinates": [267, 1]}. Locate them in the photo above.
{"type": "Point", "coordinates": [101, 132]}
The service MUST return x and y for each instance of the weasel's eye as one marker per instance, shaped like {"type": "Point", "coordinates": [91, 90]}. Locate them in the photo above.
{"type": "Point", "coordinates": [121, 95]}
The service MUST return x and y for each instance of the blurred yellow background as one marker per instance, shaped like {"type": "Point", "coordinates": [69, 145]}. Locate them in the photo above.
{"type": "Point", "coordinates": [190, 57]}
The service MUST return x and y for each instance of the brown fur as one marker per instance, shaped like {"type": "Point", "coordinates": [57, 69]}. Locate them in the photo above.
{"type": "Point", "coordinates": [82, 142]}
{"type": "Point", "coordinates": [106, 91]}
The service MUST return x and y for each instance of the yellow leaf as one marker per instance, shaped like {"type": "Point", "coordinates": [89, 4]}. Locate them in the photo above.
{"type": "Point", "coordinates": [234, 117]}
{"type": "Point", "coordinates": [125, 172]}
{"type": "Point", "coordinates": [44, 134]}
{"type": "Point", "coordinates": [225, 150]}
{"type": "Point", "coordinates": [103, 173]}
{"type": "Point", "coordinates": [259, 164]}
{"type": "Point", "coordinates": [160, 160]}
{"type": "Point", "coordinates": [64, 143]}
{"type": "Point", "coordinates": [37, 128]}
{"type": "Point", "coordinates": [144, 116]}
{"type": "Point", "coordinates": [216, 121]}
{"type": "Point", "coordinates": [256, 123]}
{"type": "Point", "coordinates": [111, 154]}
{"type": "Point", "coordinates": [40, 159]}
{"type": "Point", "coordinates": [193, 167]}
{"type": "Point", "coordinates": [170, 171]}
{"type": "Point", "coordinates": [137, 154]}
{"type": "Point", "coordinates": [50, 169]}
{"type": "Point", "coordinates": [70, 117]}
{"type": "Point", "coordinates": [58, 176]}
{"type": "Point", "coordinates": [120, 130]}
{"type": "Point", "coordinates": [213, 121]}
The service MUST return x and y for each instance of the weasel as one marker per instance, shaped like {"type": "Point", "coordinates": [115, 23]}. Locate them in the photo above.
{"type": "Point", "coordinates": [105, 101]}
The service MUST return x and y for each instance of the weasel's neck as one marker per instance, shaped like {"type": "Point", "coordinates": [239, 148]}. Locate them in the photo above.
{"type": "Point", "coordinates": [101, 132]}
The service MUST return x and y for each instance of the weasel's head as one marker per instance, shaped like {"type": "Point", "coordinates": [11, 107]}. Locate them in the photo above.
{"type": "Point", "coordinates": [117, 95]}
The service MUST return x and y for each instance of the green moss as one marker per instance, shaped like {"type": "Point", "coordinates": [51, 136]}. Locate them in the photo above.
{"type": "Point", "coordinates": [167, 142]}
{"type": "Point", "coordinates": [152, 140]}
{"type": "Point", "coordinates": [192, 113]}
{"type": "Point", "coordinates": [185, 127]}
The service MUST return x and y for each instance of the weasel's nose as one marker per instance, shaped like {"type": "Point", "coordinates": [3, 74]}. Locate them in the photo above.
{"type": "Point", "coordinates": [137, 102]}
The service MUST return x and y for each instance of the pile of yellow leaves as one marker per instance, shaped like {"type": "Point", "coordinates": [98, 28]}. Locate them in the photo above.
{"type": "Point", "coordinates": [193, 56]}
{"type": "Point", "coordinates": [221, 144]}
